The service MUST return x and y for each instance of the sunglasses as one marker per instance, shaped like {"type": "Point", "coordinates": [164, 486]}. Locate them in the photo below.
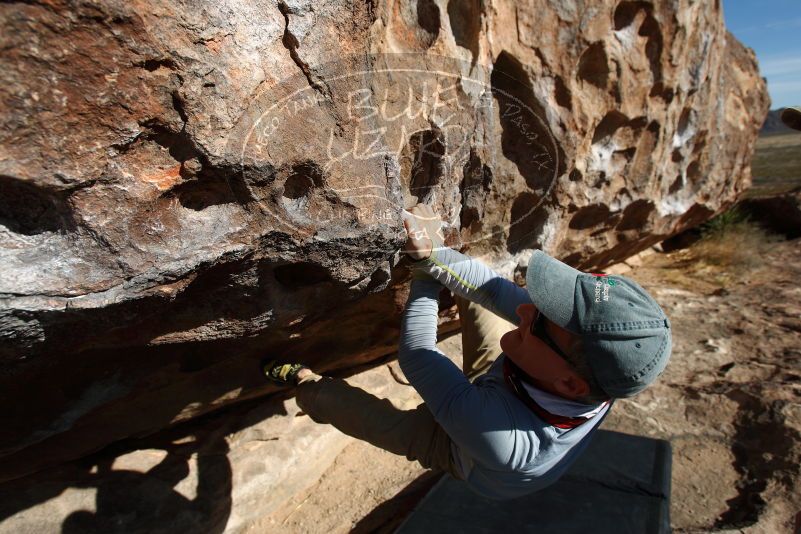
{"type": "Point", "coordinates": [538, 330]}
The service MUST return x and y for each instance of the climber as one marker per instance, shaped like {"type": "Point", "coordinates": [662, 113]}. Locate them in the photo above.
{"type": "Point", "coordinates": [528, 397]}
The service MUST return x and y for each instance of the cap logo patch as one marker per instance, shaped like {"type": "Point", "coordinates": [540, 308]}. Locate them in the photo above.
{"type": "Point", "coordinates": [602, 285]}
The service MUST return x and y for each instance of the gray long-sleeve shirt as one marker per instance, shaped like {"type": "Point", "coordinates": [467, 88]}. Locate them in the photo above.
{"type": "Point", "coordinates": [502, 448]}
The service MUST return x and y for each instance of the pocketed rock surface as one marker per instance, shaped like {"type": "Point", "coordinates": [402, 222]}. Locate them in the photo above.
{"type": "Point", "coordinates": [185, 187]}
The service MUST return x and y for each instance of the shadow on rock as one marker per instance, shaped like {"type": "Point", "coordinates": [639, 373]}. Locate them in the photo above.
{"type": "Point", "coordinates": [128, 500]}
{"type": "Point", "coordinates": [159, 485]}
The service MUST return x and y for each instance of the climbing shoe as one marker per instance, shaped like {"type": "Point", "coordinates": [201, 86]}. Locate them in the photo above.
{"type": "Point", "coordinates": [281, 373]}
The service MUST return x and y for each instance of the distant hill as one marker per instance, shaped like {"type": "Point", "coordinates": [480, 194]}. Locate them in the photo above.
{"type": "Point", "coordinates": [773, 124]}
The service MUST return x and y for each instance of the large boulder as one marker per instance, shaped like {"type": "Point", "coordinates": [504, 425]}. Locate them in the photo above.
{"type": "Point", "coordinates": [186, 187]}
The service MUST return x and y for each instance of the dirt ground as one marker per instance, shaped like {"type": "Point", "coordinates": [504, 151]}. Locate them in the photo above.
{"type": "Point", "coordinates": [366, 489]}
{"type": "Point", "coordinates": [730, 400]}
{"type": "Point", "coordinates": [729, 403]}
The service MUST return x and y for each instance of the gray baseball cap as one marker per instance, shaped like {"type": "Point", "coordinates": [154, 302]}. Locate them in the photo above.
{"type": "Point", "coordinates": [626, 334]}
{"type": "Point", "coordinates": [792, 117]}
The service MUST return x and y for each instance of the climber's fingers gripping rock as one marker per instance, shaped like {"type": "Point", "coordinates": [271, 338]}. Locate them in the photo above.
{"type": "Point", "coordinates": [423, 230]}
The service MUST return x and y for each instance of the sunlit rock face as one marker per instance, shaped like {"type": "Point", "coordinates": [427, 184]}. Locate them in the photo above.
{"type": "Point", "coordinates": [185, 188]}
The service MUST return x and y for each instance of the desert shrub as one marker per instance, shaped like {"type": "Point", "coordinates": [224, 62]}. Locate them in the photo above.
{"type": "Point", "coordinates": [727, 222]}
{"type": "Point", "coordinates": [733, 242]}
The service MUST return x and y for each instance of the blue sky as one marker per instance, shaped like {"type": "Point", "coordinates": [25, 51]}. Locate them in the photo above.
{"type": "Point", "coordinates": [773, 29]}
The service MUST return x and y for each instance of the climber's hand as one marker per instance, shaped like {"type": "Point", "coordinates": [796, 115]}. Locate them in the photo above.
{"type": "Point", "coordinates": [424, 231]}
